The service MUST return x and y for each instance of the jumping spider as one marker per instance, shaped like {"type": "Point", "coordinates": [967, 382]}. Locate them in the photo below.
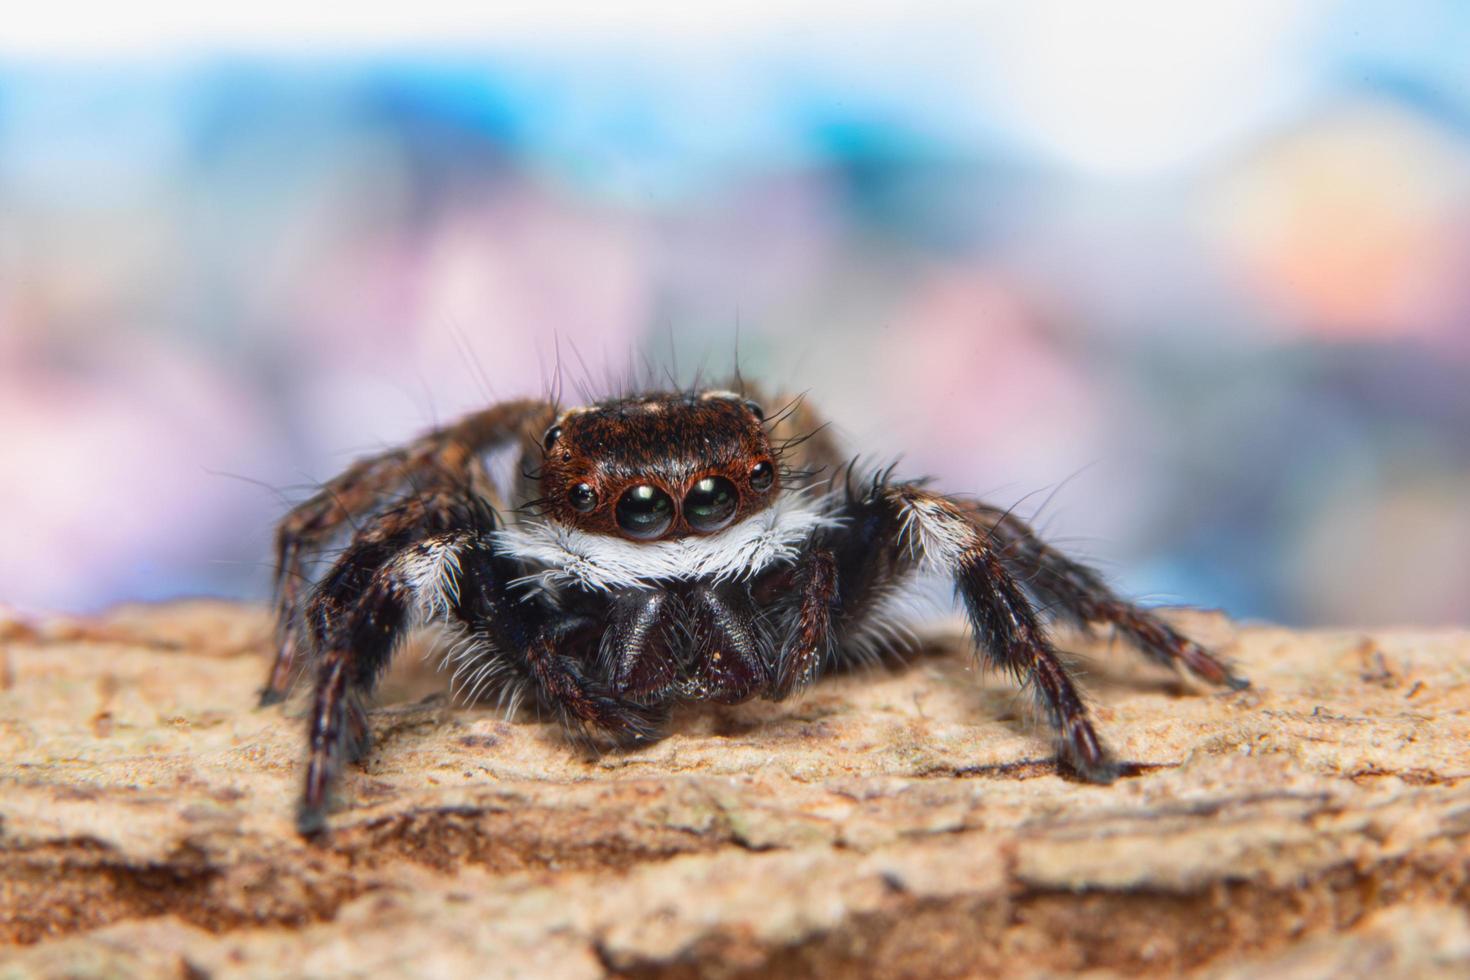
{"type": "Point", "coordinates": [662, 547]}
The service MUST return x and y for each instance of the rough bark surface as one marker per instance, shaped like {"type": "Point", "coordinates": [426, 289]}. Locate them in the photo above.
{"type": "Point", "coordinates": [905, 822]}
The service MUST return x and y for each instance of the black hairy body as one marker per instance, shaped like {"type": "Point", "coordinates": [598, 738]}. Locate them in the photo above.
{"type": "Point", "coordinates": [658, 548]}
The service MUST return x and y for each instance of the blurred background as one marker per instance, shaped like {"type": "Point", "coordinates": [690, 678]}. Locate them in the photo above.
{"type": "Point", "coordinates": [1187, 282]}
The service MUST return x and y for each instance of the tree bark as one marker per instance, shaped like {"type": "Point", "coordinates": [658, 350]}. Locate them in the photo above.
{"type": "Point", "coordinates": [906, 821]}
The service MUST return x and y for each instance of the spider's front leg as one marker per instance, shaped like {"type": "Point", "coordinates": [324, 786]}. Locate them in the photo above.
{"type": "Point", "coordinates": [807, 592]}
{"type": "Point", "coordinates": [1077, 593]}
{"type": "Point", "coordinates": [898, 525]}
{"type": "Point", "coordinates": [305, 530]}
{"type": "Point", "coordinates": [434, 557]}
{"type": "Point", "coordinates": [358, 491]}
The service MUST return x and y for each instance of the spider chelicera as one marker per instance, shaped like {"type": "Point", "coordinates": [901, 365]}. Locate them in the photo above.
{"type": "Point", "coordinates": [656, 548]}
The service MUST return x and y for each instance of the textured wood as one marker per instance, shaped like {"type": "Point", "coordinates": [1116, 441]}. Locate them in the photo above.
{"type": "Point", "coordinates": [903, 823]}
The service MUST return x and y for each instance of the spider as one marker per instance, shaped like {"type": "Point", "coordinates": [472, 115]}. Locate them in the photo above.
{"type": "Point", "coordinates": [658, 548]}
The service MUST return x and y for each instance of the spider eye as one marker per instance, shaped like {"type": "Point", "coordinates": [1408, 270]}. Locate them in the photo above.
{"type": "Point", "coordinates": [552, 434]}
{"type": "Point", "coordinates": [645, 512]}
{"type": "Point", "coordinates": [762, 475]}
{"type": "Point", "coordinates": [582, 498]}
{"type": "Point", "coordinates": [710, 503]}
{"type": "Point", "coordinates": [754, 408]}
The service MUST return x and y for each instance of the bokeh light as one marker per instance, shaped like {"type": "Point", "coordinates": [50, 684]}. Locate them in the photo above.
{"type": "Point", "coordinates": [1186, 282]}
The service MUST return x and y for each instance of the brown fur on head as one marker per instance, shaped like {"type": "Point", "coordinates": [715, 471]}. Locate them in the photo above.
{"type": "Point", "coordinates": [688, 452]}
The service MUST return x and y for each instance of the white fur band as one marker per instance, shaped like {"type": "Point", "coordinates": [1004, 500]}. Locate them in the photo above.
{"type": "Point", "coordinates": [568, 556]}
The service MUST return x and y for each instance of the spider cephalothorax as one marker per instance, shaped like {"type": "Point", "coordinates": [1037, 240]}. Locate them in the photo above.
{"type": "Point", "coordinates": [659, 466]}
{"type": "Point", "coordinates": [657, 548]}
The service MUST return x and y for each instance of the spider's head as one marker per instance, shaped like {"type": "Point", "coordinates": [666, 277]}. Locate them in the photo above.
{"type": "Point", "coordinates": [658, 466]}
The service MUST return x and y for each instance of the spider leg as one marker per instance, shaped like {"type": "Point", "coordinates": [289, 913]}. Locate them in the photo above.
{"type": "Point", "coordinates": [584, 705]}
{"type": "Point", "coordinates": [895, 529]}
{"type": "Point", "coordinates": [358, 491]}
{"type": "Point", "coordinates": [548, 647]}
{"type": "Point", "coordinates": [358, 615]}
{"type": "Point", "coordinates": [304, 531]}
{"type": "Point", "coordinates": [809, 640]}
{"type": "Point", "coordinates": [433, 557]}
{"type": "Point", "coordinates": [1079, 594]}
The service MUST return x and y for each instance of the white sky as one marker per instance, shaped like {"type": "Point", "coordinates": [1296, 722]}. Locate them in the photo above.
{"type": "Point", "coordinates": [1123, 86]}
{"type": "Point", "coordinates": [82, 28]}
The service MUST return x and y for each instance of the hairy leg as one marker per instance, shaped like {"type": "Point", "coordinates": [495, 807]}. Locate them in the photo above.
{"type": "Point", "coordinates": [358, 616]}
{"type": "Point", "coordinates": [587, 709]}
{"type": "Point", "coordinates": [359, 491]}
{"type": "Point", "coordinates": [305, 530]}
{"type": "Point", "coordinates": [893, 530]}
{"type": "Point", "coordinates": [433, 557]}
{"type": "Point", "coordinates": [806, 645]}
{"type": "Point", "coordinates": [1076, 592]}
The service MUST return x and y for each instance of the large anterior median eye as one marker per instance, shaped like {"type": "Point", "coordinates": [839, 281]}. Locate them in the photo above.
{"type": "Point", "coordinates": [645, 511]}
{"type": "Point", "coordinates": [711, 503]}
